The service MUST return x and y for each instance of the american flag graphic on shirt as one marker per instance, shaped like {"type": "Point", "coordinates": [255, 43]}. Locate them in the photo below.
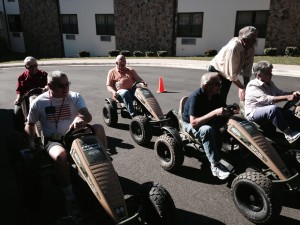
{"type": "Point", "coordinates": [59, 113]}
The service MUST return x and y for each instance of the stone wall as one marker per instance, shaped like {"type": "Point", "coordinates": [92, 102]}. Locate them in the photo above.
{"type": "Point", "coordinates": [41, 27]}
{"type": "Point", "coordinates": [145, 25]}
{"type": "Point", "coordinates": [283, 25]}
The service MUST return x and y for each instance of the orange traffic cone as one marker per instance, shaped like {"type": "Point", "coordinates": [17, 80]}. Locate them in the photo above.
{"type": "Point", "coordinates": [161, 88]}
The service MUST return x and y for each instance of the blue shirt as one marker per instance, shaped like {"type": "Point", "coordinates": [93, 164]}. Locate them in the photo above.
{"type": "Point", "coordinates": [198, 105]}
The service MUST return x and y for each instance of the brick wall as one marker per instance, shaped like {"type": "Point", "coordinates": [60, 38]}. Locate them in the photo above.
{"type": "Point", "coordinates": [41, 27]}
{"type": "Point", "coordinates": [283, 24]}
{"type": "Point", "coordinates": [145, 25]}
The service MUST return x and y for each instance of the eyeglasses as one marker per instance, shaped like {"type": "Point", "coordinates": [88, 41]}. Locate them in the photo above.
{"type": "Point", "coordinates": [217, 83]}
{"type": "Point", "coordinates": [60, 85]}
{"type": "Point", "coordinates": [32, 66]}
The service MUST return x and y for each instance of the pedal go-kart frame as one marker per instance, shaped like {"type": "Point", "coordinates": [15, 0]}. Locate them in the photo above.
{"type": "Point", "coordinates": [149, 114]}
{"type": "Point", "coordinates": [152, 202]}
{"type": "Point", "coordinates": [261, 163]}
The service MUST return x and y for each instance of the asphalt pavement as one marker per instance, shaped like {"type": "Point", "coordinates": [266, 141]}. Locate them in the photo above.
{"type": "Point", "coordinates": [280, 70]}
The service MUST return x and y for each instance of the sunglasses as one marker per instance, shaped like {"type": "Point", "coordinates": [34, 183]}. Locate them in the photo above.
{"type": "Point", "coordinates": [31, 67]}
{"type": "Point", "coordinates": [60, 85]}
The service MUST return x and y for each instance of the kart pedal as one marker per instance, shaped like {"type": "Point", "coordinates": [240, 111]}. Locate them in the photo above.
{"type": "Point", "coordinates": [227, 165]}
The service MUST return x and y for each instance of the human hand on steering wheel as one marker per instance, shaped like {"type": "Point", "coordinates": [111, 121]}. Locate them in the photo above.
{"type": "Point", "coordinates": [78, 123]}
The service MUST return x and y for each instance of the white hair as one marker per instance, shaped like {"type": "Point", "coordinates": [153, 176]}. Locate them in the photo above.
{"type": "Point", "coordinates": [247, 32]}
{"type": "Point", "coordinates": [261, 67]}
{"type": "Point", "coordinates": [55, 75]}
{"type": "Point", "coordinates": [207, 77]}
{"type": "Point", "coordinates": [29, 59]}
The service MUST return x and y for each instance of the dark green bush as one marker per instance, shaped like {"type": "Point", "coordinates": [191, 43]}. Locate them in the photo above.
{"type": "Point", "coordinates": [138, 53]}
{"type": "Point", "coordinates": [162, 53]}
{"type": "Point", "coordinates": [291, 51]}
{"type": "Point", "coordinates": [113, 52]}
{"type": "Point", "coordinates": [84, 54]}
{"type": "Point", "coordinates": [149, 53]}
{"type": "Point", "coordinates": [125, 52]}
{"type": "Point", "coordinates": [210, 52]}
{"type": "Point", "coordinates": [270, 51]}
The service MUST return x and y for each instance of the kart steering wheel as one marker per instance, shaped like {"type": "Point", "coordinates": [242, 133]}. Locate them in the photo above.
{"type": "Point", "coordinates": [290, 104]}
{"type": "Point", "coordinates": [34, 91]}
{"type": "Point", "coordinates": [230, 108]}
{"type": "Point", "coordinates": [73, 133]}
{"type": "Point", "coordinates": [136, 83]}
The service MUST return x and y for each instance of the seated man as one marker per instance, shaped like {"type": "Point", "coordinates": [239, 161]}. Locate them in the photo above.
{"type": "Point", "coordinates": [59, 110]}
{"type": "Point", "coordinates": [261, 96]}
{"type": "Point", "coordinates": [119, 82]}
{"type": "Point", "coordinates": [201, 118]}
{"type": "Point", "coordinates": [31, 78]}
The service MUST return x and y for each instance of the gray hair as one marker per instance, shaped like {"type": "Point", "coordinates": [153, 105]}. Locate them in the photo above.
{"type": "Point", "coordinates": [261, 67]}
{"type": "Point", "coordinates": [55, 75]}
{"type": "Point", "coordinates": [206, 78]}
{"type": "Point", "coordinates": [29, 59]}
{"type": "Point", "coordinates": [247, 32]}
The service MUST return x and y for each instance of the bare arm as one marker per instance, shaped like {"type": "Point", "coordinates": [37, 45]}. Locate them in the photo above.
{"type": "Point", "coordinates": [81, 119]}
{"type": "Point", "coordinates": [198, 121]}
{"type": "Point", "coordinates": [30, 133]}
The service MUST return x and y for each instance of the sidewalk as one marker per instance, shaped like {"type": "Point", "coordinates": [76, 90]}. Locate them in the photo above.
{"type": "Point", "coordinates": [281, 70]}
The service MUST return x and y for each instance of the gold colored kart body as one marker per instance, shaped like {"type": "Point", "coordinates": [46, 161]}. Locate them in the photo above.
{"type": "Point", "coordinates": [97, 170]}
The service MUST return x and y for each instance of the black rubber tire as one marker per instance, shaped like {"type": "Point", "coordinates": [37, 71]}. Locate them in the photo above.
{"type": "Point", "coordinates": [158, 205]}
{"type": "Point", "coordinates": [110, 115]}
{"type": "Point", "coordinates": [252, 193]}
{"type": "Point", "coordinates": [167, 151]}
{"type": "Point", "coordinates": [28, 180]}
{"type": "Point", "coordinates": [141, 130]}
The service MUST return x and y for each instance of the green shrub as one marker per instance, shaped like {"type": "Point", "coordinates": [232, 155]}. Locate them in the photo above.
{"type": "Point", "coordinates": [149, 53]}
{"type": "Point", "coordinates": [83, 54]}
{"type": "Point", "coordinates": [291, 51]}
{"type": "Point", "coordinates": [138, 53]}
{"type": "Point", "coordinates": [125, 52]}
{"type": "Point", "coordinates": [210, 52]}
{"type": "Point", "coordinates": [113, 52]}
{"type": "Point", "coordinates": [270, 51]}
{"type": "Point", "coordinates": [162, 53]}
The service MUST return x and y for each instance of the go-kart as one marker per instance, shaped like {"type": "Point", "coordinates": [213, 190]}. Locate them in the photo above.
{"type": "Point", "coordinates": [93, 174]}
{"type": "Point", "coordinates": [257, 164]}
{"type": "Point", "coordinates": [148, 114]}
{"type": "Point", "coordinates": [21, 116]}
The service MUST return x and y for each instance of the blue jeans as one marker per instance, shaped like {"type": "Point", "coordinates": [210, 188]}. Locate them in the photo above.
{"type": "Point", "coordinates": [206, 134]}
{"type": "Point", "coordinates": [279, 117]}
{"type": "Point", "coordinates": [126, 96]}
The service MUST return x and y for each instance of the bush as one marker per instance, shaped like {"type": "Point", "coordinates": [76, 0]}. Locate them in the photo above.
{"type": "Point", "coordinates": [113, 52]}
{"type": "Point", "coordinates": [125, 52]}
{"type": "Point", "coordinates": [83, 54]}
{"type": "Point", "coordinates": [210, 52]}
{"type": "Point", "coordinates": [291, 51]}
{"type": "Point", "coordinates": [149, 53]}
{"type": "Point", "coordinates": [270, 51]}
{"type": "Point", "coordinates": [138, 53]}
{"type": "Point", "coordinates": [162, 53]}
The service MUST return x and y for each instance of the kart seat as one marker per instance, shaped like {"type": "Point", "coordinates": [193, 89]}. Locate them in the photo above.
{"type": "Point", "coordinates": [180, 111]}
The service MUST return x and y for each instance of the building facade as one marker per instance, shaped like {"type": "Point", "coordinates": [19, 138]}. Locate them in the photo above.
{"type": "Point", "coordinates": [57, 28]}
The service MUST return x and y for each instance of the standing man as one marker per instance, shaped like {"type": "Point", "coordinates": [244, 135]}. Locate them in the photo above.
{"type": "Point", "coordinates": [119, 82]}
{"type": "Point", "coordinates": [202, 117]}
{"type": "Point", "coordinates": [236, 58]}
{"type": "Point", "coordinates": [59, 110]}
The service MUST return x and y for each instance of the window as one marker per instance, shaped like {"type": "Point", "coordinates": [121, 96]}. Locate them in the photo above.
{"type": "Point", "coordinates": [190, 24]}
{"type": "Point", "coordinates": [105, 24]}
{"type": "Point", "coordinates": [258, 19]}
{"type": "Point", "coordinates": [14, 23]}
{"type": "Point", "coordinates": [69, 23]}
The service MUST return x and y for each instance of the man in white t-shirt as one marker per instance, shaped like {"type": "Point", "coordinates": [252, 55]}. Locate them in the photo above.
{"type": "Point", "coordinates": [59, 110]}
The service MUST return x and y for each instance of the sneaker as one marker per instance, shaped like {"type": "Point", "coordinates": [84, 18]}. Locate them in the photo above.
{"type": "Point", "coordinates": [219, 171]}
{"type": "Point", "coordinates": [291, 135]}
{"type": "Point", "coordinates": [73, 208]}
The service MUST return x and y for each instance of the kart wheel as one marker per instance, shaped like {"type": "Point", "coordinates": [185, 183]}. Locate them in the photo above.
{"type": "Point", "coordinates": [110, 115]}
{"type": "Point", "coordinates": [28, 179]}
{"type": "Point", "coordinates": [253, 196]}
{"type": "Point", "coordinates": [140, 130]}
{"type": "Point", "coordinates": [158, 205]}
{"type": "Point", "coordinates": [170, 156]}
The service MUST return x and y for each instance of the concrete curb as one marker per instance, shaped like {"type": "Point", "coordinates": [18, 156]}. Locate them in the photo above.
{"type": "Point", "coordinates": [279, 70]}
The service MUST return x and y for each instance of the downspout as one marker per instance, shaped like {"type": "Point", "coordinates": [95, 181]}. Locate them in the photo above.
{"type": "Point", "coordinates": [6, 23]}
{"type": "Point", "coordinates": [60, 29]}
{"type": "Point", "coordinates": [174, 27]}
